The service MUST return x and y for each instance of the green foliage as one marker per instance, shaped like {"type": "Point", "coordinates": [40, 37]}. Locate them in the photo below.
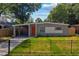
{"type": "Point", "coordinates": [38, 20]}
{"type": "Point", "coordinates": [62, 12]}
{"type": "Point", "coordinates": [22, 11]}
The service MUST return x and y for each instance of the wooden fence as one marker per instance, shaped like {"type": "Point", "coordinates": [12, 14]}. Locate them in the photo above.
{"type": "Point", "coordinates": [71, 31]}
{"type": "Point", "coordinates": [6, 32]}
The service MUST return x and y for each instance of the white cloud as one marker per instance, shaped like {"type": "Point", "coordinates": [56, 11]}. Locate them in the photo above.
{"type": "Point", "coordinates": [46, 5]}
{"type": "Point", "coordinates": [44, 11]}
{"type": "Point", "coordinates": [49, 5]}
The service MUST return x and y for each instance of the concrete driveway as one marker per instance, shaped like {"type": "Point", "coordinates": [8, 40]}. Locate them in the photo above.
{"type": "Point", "coordinates": [13, 43]}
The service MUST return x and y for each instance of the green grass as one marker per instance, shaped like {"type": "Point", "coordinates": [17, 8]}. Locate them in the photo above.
{"type": "Point", "coordinates": [47, 46]}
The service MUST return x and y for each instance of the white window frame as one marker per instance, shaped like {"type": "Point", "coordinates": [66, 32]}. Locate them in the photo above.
{"type": "Point", "coordinates": [52, 30]}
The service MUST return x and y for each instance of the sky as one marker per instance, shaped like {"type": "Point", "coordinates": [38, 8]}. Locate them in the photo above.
{"type": "Point", "coordinates": [43, 11]}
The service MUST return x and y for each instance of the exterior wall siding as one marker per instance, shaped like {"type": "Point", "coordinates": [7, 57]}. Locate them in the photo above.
{"type": "Point", "coordinates": [41, 30]}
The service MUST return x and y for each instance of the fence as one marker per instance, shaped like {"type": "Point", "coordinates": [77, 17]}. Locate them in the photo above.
{"type": "Point", "coordinates": [72, 31]}
{"type": "Point", "coordinates": [49, 48]}
{"type": "Point", "coordinates": [6, 32]}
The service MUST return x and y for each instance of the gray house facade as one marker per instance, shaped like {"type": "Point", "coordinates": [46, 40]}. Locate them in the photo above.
{"type": "Point", "coordinates": [52, 29]}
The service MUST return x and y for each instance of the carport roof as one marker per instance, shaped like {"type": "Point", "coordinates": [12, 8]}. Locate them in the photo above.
{"type": "Point", "coordinates": [76, 25]}
{"type": "Point", "coordinates": [41, 23]}
{"type": "Point", "coordinates": [20, 24]}
{"type": "Point", "coordinates": [52, 23]}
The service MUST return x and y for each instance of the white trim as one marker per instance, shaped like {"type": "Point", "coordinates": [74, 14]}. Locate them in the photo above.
{"type": "Point", "coordinates": [49, 23]}
{"type": "Point", "coordinates": [75, 25]}
{"type": "Point", "coordinates": [54, 23]}
{"type": "Point", "coordinates": [40, 23]}
{"type": "Point", "coordinates": [20, 24]}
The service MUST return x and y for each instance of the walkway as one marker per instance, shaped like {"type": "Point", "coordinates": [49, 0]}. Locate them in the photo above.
{"type": "Point", "coordinates": [13, 43]}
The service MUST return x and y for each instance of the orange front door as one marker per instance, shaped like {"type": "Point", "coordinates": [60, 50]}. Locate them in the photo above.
{"type": "Point", "coordinates": [33, 30]}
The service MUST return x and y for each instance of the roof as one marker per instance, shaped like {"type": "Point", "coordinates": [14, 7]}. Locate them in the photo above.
{"type": "Point", "coordinates": [40, 23]}
{"type": "Point", "coordinates": [20, 24]}
{"type": "Point", "coordinates": [53, 23]}
{"type": "Point", "coordinates": [76, 25]}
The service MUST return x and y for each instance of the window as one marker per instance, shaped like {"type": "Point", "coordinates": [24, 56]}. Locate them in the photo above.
{"type": "Point", "coordinates": [42, 29]}
{"type": "Point", "coordinates": [49, 29]}
{"type": "Point", "coordinates": [58, 28]}
{"type": "Point", "coordinates": [53, 30]}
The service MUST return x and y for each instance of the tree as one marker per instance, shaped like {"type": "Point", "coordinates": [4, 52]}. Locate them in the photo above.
{"type": "Point", "coordinates": [22, 11]}
{"type": "Point", "coordinates": [46, 20]}
{"type": "Point", "coordinates": [67, 13]}
{"type": "Point", "coordinates": [38, 20]}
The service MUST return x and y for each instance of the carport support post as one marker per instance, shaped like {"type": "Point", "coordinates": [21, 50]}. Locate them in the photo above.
{"type": "Point", "coordinates": [35, 29]}
{"type": "Point", "coordinates": [29, 30]}
{"type": "Point", "coordinates": [14, 34]}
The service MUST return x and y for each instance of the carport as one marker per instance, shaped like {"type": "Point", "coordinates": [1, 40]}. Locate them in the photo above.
{"type": "Point", "coordinates": [21, 30]}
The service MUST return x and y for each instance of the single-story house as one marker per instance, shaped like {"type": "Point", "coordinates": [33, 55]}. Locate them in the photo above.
{"type": "Point", "coordinates": [5, 25]}
{"type": "Point", "coordinates": [41, 29]}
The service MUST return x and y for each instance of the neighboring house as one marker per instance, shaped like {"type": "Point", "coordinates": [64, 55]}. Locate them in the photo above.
{"type": "Point", "coordinates": [77, 28]}
{"type": "Point", "coordinates": [3, 18]}
{"type": "Point", "coordinates": [4, 22]}
{"type": "Point", "coordinates": [41, 29]}
{"type": "Point", "coordinates": [5, 27]}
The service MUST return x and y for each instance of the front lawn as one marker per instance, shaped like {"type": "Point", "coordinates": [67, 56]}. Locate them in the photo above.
{"type": "Point", "coordinates": [48, 46]}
